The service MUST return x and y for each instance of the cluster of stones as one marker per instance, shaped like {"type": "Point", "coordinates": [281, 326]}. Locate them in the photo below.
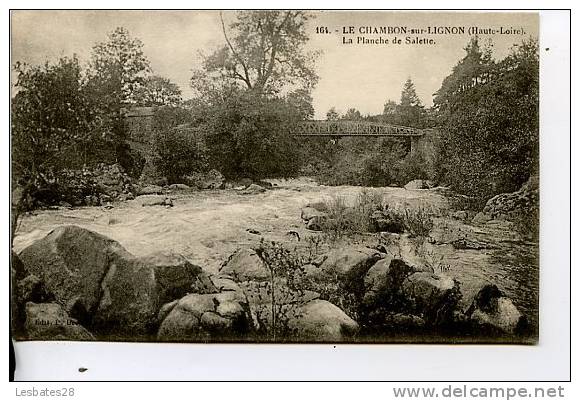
{"type": "Point", "coordinates": [97, 186]}
{"type": "Point", "coordinates": [79, 285]}
{"type": "Point", "coordinates": [157, 195]}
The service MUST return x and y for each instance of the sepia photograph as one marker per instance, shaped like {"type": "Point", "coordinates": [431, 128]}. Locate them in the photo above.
{"type": "Point", "coordinates": [275, 176]}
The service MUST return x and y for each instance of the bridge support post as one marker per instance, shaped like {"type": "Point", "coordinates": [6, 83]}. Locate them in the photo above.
{"type": "Point", "coordinates": [414, 144]}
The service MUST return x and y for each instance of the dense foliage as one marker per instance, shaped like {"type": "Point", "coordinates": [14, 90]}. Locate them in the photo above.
{"type": "Point", "coordinates": [249, 136]}
{"type": "Point", "coordinates": [178, 148]}
{"type": "Point", "coordinates": [250, 94]}
{"type": "Point", "coordinates": [488, 111]}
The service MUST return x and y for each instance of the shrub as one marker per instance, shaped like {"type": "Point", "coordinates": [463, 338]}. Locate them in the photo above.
{"type": "Point", "coordinates": [277, 298]}
{"type": "Point", "coordinates": [343, 219]}
{"type": "Point", "coordinates": [418, 221]}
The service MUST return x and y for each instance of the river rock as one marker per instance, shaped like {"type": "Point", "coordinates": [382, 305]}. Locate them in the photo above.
{"type": "Point", "coordinates": [316, 223]}
{"type": "Point", "coordinates": [244, 265]}
{"type": "Point", "coordinates": [419, 184]}
{"type": "Point", "coordinates": [205, 317]}
{"type": "Point", "coordinates": [523, 203]}
{"type": "Point", "coordinates": [384, 279]}
{"type": "Point", "coordinates": [49, 321]}
{"type": "Point", "coordinates": [72, 261]}
{"type": "Point", "coordinates": [493, 312]}
{"type": "Point", "coordinates": [432, 296]}
{"type": "Point", "coordinates": [350, 263]}
{"type": "Point", "coordinates": [150, 190]}
{"type": "Point", "coordinates": [309, 212]}
{"type": "Point", "coordinates": [253, 189]}
{"type": "Point", "coordinates": [176, 276]}
{"type": "Point", "coordinates": [321, 321]}
{"type": "Point", "coordinates": [245, 182]}
{"type": "Point", "coordinates": [179, 187]}
{"type": "Point", "coordinates": [107, 287]}
{"type": "Point", "coordinates": [460, 215]}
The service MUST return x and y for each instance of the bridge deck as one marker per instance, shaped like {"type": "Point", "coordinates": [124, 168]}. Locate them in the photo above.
{"type": "Point", "coordinates": [353, 128]}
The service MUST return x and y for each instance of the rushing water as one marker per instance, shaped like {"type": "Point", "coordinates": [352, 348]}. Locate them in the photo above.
{"type": "Point", "coordinates": [206, 227]}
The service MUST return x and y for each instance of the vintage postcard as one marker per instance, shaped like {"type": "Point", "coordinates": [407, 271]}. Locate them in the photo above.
{"type": "Point", "coordinates": [275, 176]}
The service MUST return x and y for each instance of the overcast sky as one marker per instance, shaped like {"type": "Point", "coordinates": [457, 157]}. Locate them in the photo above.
{"type": "Point", "coordinates": [361, 76]}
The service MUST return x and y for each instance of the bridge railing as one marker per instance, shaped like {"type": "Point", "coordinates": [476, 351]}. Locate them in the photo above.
{"type": "Point", "coordinates": [352, 128]}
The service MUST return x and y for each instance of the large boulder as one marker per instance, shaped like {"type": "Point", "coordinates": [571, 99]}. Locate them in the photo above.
{"type": "Point", "coordinates": [350, 266]}
{"type": "Point", "coordinates": [103, 285]}
{"type": "Point", "coordinates": [321, 321]}
{"type": "Point", "coordinates": [72, 262]}
{"type": "Point", "coordinates": [49, 321]}
{"type": "Point", "coordinates": [494, 313]}
{"type": "Point", "coordinates": [244, 265]}
{"type": "Point", "coordinates": [176, 276]}
{"type": "Point", "coordinates": [133, 295]}
{"type": "Point", "coordinates": [431, 296]}
{"type": "Point", "coordinates": [206, 317]}
{"type": "Point", "coordinates": [383, 280]}
{"type": "Point", "coordinates": [513, 206]}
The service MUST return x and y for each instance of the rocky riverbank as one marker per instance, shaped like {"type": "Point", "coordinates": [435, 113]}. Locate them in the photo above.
{"type": "Point", "coordinates": [227, 266]}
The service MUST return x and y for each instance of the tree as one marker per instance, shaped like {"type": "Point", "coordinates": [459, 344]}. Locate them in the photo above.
{"type": "Point", "coordinates": [117, 71]}
{"type": "Point", "coordinates": [250, 136]}
{"type": "Point", "coordinates": [177, 146]}
{"type": "Point", "coordinates": [332, 114]}
{"type": "Point", "coordinates": [352, 114]}
{"type": "Point", "coordinates": [118, 68]}
{"type": "Point", "coordinates": [489, 116]}
{"type": "Point", "coordinates": [390, 108]}
{"type": "Point", "coordinates": [264, 52]}
{"type": "Point", "coordinates": [253, 91]}
{"type": "Point", "coordinates": [54, 127]}
{"type": "Point", "coordinates": [158, 91]}
{"type": "Point", "coordinates": [410, 110]}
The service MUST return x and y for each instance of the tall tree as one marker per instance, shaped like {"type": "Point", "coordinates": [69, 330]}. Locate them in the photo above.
{"type": "Point", "coordinates": [332, 114]}
{"type": "Point", "coordinates": [352, 114]}
{"type": "Point", "coordinates": [119, 67]}
{"type": "Point", "coordinates": [390, 108]}
{"type": "Point", "coordinates": [117, 70]}
{"type": "Point", "coordinates": [410, 110]}
{"type": "Point", "coordinates": [264, 52]}
{"type": "Point", "coordinates": [54, 126]}
{"type": "Point", "coordinates": [158, 91]}
{"type": "Point", "coordinates": [489, 116]}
